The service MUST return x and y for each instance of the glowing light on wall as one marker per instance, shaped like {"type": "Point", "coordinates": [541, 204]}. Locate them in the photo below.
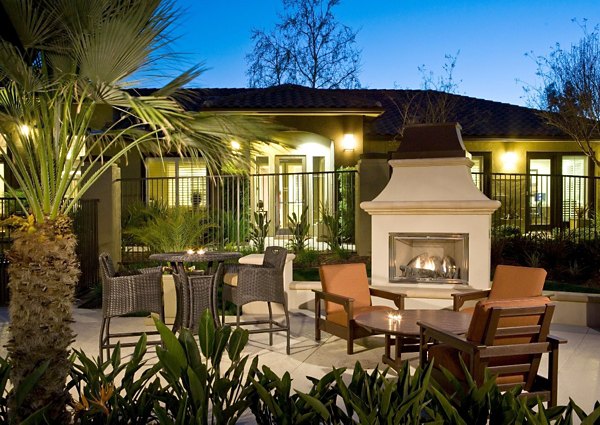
{"type": "Point", "coordinates": [349, 142]}
{"type": "Point", "coordinates": [509, 161]}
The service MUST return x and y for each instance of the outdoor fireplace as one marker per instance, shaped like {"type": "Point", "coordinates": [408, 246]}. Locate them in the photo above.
{"type": "Point", "coordinates": [431, 224]}
{"type": "Point", "coordinates": [429, 258]}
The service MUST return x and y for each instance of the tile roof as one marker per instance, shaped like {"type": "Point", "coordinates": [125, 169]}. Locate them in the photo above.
{"type": "Point", "coordinates": [479, 118]}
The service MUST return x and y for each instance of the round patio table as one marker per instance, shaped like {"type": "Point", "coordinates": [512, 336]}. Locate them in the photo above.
{"type": "Point", "coordinates": [404, 335]}
{"type": "Point", "coordinates": [176, 259]}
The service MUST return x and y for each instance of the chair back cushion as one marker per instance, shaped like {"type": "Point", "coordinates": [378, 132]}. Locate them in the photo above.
{"type": "Point", "coordinates": [349, 280]}
{"type": "Point", "coordinates": [517, 282]}
{"type": "Point", "coordinates": [275, 257]}
{"type": "Point", "coordinates": [480, 322]}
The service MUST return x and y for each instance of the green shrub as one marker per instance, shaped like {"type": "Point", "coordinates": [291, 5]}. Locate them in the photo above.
{"type": "Point", "coordinates": [259, 230]}
{"type": "Point", "coordinates": [299, 228]}
{"type": "Point", "coordinates": [173, 229]}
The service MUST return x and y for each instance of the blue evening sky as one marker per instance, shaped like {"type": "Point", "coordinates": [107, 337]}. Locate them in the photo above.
{"type": "Point", "coordinates": [397, 36]}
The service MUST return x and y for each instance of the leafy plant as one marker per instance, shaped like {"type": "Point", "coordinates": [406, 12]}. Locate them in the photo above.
{"type": "Point", "coordinates": [274, 403]}
{"type": "Point", "coordinates": [259, 230]}
{"type": "Point", "coordinates": [173, 229]}
{"type": "Point", "coordinates": [374, 398]}
{"type": "Point", "coordinates": [198, 390]}
{"type": "Point", "coordinates": [100, 400]}
{"type": "Point", "coordinates": [333, 235]}
{"type": "Point", "coordinates": [299, 228]}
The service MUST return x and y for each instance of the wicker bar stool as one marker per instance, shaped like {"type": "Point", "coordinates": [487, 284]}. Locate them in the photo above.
{"type": "Point", "coordinates": [137, 291]}
{"type": "Point", "coordinates": [260, 283]}
{"type": "Point", "coordinates": [195, 294]}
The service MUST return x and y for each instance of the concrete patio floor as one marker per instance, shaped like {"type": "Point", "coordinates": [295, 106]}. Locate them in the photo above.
{"type": "Point", "coordinates": [579, 361]}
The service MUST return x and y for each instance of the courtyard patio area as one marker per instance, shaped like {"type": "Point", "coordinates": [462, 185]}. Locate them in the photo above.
{"type": "Point", "coordinates": [579, 363]}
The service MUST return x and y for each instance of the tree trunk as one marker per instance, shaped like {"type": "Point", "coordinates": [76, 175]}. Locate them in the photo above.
{"type": "Point", "coordinates": [43, 273]}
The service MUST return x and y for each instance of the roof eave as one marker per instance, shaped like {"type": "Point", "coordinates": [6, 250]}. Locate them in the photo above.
{"type": "Point", "coordinates": [369, 112]}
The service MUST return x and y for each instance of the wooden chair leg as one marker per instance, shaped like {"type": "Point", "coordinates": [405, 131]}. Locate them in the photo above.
{"type": "Point", "coordinates": [350, 341]}
{"type": "Point", "coordinates": [317, 319]}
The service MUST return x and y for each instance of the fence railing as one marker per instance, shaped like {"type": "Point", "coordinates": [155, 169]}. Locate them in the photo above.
{"type": "Point", "coordinates": [542, 202]}
{"type": "Point", "coordinates": [318, 207]}
{"type": "Point", "coordinates": [85, 227]}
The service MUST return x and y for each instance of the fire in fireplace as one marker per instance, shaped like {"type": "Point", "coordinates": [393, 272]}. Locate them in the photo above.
{"type": "Point", "coordinates": [429, 258]}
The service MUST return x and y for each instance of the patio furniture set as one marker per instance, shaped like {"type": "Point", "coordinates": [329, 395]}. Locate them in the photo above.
{"type": "Point", "coordinates": [505, 333]}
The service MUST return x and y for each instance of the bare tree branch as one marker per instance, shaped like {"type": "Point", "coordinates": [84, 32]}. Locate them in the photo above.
{"type": "Point", "coordinates": [308, 47]}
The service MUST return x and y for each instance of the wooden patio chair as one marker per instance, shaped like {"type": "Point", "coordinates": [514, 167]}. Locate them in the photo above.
{"type": "Point", "coordinates": [132, 292]}
{"type": "Point", "coordinates": [507, 338]}
{"type": "Point", "coordinates": [509, 282]}
{"type": "Point", "coordinates": [347, 293]}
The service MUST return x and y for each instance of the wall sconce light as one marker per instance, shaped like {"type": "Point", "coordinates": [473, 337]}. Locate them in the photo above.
{"type": "Point", "coordinates": [509, 161]}
{"type": "Point", "coordinates": [235, 145]}
{"type": "Point", "coordinates": [349, 142]}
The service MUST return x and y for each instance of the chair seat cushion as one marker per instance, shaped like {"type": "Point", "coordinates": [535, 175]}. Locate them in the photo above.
{"type": "Point", "coordinates": [447, 357]}
{"type": "Point", "coordinates": [341, 318]}
{"type": "Point", "coordinates": [230, 279]}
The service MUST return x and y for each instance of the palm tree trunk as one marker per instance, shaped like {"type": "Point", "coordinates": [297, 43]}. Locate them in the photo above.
{"type": "Point", "coordinates": [43, 273]}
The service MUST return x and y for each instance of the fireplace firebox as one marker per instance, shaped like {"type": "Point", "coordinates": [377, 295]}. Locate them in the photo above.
{"type": "Point", "coordinates": [429, 258]}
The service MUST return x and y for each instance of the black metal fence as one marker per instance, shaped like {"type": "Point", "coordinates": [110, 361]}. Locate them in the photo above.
{"type": "Point", "coordinates": [540, 202]}
{"type": "Point", "coordinates": [320, 206]}
{"type": "Point", "coordinates": [85, 227]}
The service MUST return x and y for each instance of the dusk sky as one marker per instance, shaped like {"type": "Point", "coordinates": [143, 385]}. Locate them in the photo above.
{"type": "Point", "coordinates": [397, 36]}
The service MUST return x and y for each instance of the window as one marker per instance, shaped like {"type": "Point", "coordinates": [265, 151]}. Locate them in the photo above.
{"type": "Point", "coordinates": [177, 181]}
{"type": "Point", "coordinates": [575, 188]}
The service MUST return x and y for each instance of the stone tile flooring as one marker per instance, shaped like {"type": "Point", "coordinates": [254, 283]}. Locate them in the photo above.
{"type": "Point", "coordinates": [579, 371]}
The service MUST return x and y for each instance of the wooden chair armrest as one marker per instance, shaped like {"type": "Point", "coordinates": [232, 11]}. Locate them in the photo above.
{"type": "Point", "coordinates": [459, 298]}
{"type": "Point", "coordinates": [398, 298]}
{"type": "Point", "coordinates": [556, 340]}
{"type": "Point", "coordinates": [334, 298]}
{"type": "Point", "coordinates": [459, 342]}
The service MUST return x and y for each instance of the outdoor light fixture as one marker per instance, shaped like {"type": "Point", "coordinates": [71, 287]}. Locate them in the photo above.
{"type": "Point", "coordinates": [509, 161]}
{"type": "Point", "coordinates": [349, 142]}
{"type": "Point", "coordinates": [235, 145]}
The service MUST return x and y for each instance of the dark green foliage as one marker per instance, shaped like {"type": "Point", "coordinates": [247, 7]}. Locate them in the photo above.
{"type": "Point", "coordinates": [198, 391]}
{"type": "Point", "coordinates": [195, 388]}
{"type": "Point", "coordinates": [333, 236]}
{"type": "Point", "coordinates": [99, 401]}
{"type": "Point", "coordinates": [565, 256]}
{"type": "Point", "coordinates": [259, 230]}
{"type": "Point", "coordinates": [299, 229]}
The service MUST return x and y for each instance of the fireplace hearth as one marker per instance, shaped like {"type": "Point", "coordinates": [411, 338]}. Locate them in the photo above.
{"type": "Point", "coordinates": [429, 258]}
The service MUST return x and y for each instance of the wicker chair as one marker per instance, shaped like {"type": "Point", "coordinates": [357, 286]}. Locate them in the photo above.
{"type": "Point", "coordinates": [137, 291]}
{"type": "Point", "coordinates": [260, 283]}
{"type": "Point", "coordinates": [195, 294]}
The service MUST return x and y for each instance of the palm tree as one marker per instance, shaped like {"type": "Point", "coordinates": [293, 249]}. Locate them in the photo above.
{"type": "Point", "coordinates": [65, 61]}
